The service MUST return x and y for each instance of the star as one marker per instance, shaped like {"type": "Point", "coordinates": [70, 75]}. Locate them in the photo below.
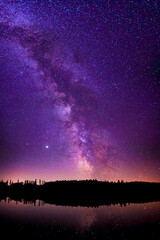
{"type": "Point", "coordinates": [79, 87]}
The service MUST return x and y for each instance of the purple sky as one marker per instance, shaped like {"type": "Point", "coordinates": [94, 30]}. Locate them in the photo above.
{"type": "Point", "coordinates": [80, 89]}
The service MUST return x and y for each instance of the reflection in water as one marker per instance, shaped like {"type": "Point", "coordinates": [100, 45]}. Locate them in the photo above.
{"type": "Point", "coordinates": [106, 219]}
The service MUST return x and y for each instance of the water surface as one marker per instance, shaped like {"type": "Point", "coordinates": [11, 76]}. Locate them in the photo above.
{"type": "Point", "coordinates": [38, 220]}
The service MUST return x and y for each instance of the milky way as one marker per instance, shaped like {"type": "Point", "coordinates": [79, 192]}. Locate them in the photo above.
{"type": "Point", "coordinates": [79, 90]}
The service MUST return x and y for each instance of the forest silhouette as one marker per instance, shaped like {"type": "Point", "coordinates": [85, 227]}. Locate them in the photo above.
{"type": "Point", "coordinates": [81, 193]}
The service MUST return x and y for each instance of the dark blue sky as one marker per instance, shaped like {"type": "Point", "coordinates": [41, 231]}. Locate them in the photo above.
{"type": "Point", "coordinates": [80, 89]}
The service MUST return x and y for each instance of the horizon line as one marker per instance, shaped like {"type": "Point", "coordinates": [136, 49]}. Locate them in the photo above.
{"type": "Point", "coordinates": [42, 181]}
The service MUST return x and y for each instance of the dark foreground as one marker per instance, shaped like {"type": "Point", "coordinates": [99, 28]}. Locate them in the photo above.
{"type": "Point", "coordinates": [38, 220]}
{"type": "Point", "coordinates": [83, 193]}
{"type": "Point", "coordinates": [80, 210]}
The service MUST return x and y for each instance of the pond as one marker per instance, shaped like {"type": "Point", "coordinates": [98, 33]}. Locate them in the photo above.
{"type": "Point", "coordinates": [39, 220]}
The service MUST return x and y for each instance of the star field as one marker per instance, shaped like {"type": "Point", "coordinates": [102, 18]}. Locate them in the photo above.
{"type": "Point", "coordinates": [80, 90]}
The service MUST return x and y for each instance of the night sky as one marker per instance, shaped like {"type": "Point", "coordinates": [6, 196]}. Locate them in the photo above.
{"type": "Point", "coordinates": [80, 89]}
